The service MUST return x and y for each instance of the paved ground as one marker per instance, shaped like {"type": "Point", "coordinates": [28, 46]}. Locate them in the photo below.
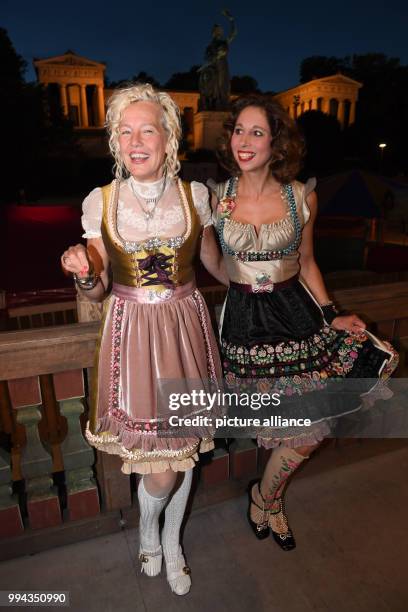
{"type": "Point", "coordinates": [352, 555]}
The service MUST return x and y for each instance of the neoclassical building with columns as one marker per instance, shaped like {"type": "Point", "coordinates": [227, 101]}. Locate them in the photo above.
{"type": "Point", "coordinates": [83, 97]}
{"type": "Point", "coordinates": [335, 95]}
{"type": "Point", "coordinates": [80, 82]}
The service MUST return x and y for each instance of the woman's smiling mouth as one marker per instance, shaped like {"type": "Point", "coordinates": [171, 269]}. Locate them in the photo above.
{"type": "Point", "coordinates": [245, 156]}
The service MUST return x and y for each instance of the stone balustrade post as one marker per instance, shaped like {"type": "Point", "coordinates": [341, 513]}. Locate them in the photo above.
{"type": "Point", "coordinates": [11, 523]}
{"type": "Point", "coordinates": [42, 500]}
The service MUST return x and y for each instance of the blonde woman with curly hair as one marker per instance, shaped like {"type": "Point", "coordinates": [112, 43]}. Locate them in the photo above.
{"type": "Point", "coordinates": [145, 228]}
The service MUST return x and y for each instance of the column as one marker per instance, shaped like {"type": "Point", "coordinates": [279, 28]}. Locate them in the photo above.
{"type": "Point", "coordinates": [340, 113]}
{"type": "Point", "coordinates": [326, 106]}
{"type": "Point", "coordinates": [352, 112]}
{"type": "Point", "coordinates": [101, 105]}
{"type": "Point", "coordinates": [314, 104]}
{"type": "Point", "coordinates": [63, 99]}
{"type": "Point", "coordinates": [84, 107]}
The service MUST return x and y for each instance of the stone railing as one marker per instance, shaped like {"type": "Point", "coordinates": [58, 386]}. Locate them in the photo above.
{"type": "Point", "coordinates": [47, 477]}
{"type": "Point", "coordinates": [48, 474]}
{"type": "Point", "coordinates": [45, 454]}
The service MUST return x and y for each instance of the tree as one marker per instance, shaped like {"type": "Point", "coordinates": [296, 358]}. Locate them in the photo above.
{"type": "Point", "coordinates": [30, 138]}
{"type": "Point", "coordinates": [143, 77]}
{"type": "Point", "coordinates": [13, 66]}
{"type": "Point", "coordinates": [318, 66]}
{"type": "Point", "coordinates": [244, 84]}
{"type": "Point", "coordinates": [382, 109]}
{"type": "Point", "coordinates": [324, 144]}
{"type": "Point", "coordinates": [184, 81]}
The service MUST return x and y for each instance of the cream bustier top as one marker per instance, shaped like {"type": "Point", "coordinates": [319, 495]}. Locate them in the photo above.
{"type": "Point", "coordinates": [272, 255]}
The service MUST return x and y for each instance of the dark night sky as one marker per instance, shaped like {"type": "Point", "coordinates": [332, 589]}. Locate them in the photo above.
{"type": "Point", "coordinates": [166, 37]}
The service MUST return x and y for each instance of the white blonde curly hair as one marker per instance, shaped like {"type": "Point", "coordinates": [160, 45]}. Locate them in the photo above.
{"type": "Point", "coordinates": [136, 92]}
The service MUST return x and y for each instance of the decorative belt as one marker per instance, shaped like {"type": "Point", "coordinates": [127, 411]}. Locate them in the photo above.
{"type": "Point", "coordinates": [151, 295]}
{"type": "Point", "coordinates": [264, 287]}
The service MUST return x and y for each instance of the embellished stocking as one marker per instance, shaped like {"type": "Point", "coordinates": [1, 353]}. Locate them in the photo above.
{"type": "Point", "coordinates": [283, 463]}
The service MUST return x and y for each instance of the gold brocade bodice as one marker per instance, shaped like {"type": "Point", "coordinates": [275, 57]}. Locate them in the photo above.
{"type": "Point", "coordinates": [158, 262]}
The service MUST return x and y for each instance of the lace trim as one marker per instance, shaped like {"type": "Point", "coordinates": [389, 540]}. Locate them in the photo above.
{"type": "Point", "coordinates": [151, 243]}
{"type": "Point", "coordinates": [148, 190]}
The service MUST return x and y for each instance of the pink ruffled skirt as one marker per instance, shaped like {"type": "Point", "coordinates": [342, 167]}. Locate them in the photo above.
{"type": "Point", "coordinates": [148, 336]}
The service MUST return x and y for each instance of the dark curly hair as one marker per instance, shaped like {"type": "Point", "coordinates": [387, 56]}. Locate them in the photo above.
{"type": "Point", "coordinates": [287, 143]}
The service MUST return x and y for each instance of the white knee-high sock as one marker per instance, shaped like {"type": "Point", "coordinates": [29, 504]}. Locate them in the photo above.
{"type": "Point", "coordinates": [150, 509]}
{"type": "Point", "coordinates": [179, 581]}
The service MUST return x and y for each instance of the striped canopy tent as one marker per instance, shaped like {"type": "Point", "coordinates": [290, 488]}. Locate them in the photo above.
{"type": "Point", "coordinates": [353, 194]}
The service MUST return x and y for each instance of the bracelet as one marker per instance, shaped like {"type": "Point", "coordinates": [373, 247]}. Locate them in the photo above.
{"type": "Point", "coordinates": [87, 282]}
{"type": "Point", "coordinates": [330, 312]}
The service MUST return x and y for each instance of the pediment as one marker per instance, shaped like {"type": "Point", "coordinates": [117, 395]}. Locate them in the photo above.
{"type": "Point", "coordinates": [69, 59]}
{"type": "Point", "coordinates": [337, 79]}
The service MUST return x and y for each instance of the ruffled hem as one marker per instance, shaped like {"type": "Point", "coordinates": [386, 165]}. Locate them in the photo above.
{"type": "Point", "coordinates": [153, 455]}
{"type": "Point", "coordinates": [157, 467]}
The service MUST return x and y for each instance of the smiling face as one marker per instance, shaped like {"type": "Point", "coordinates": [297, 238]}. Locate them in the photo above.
{"type": "Point", "coordinates": [251, 140]}
{"type": "Point", "coordinates": [143, 140]}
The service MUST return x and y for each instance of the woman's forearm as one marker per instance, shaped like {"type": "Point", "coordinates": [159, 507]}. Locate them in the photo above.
{"type": "Point", "coordinates": [211, 257]}
{"type": "Point", "coordinates": [97, 293]}
{"type": "Point", "coordinates": [217, 269]}
{"type": "Point", "coordinates": [313, 278]}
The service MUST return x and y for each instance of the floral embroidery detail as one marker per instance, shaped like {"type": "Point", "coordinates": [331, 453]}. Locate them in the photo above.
{"type": "Point", "coordinates": [278, 483]}
{"type": "Point", "coordinates": [163, 220]}
{"type": "Point", "coordinates": [295, 367]}
{"type": "Point", "coordinates": [392, 363]}
{"type": "Point", "coordinates": [147, 427]}
{"type": "Point", "coordinates": [263, 283]}
{"type": "Point", "coordinates": [225, 207]}
{"type": "Point", "coordinates": [264, 385]}
{"type": "Point", "coordinates": [115, 358]}
{"type": "Point", "coordinates": [230, 378]}
{"type": "Point", "coordinates": [200, 305]}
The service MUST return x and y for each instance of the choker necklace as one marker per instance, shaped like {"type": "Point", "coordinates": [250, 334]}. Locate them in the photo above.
{"type": "Point", "coordinates": [149, 210]}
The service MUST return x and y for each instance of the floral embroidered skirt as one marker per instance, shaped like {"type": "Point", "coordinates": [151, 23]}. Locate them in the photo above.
{"type": "Point", "coordinates": [145, 337]}
{"type": "Point", "coordinates": [278, 341]}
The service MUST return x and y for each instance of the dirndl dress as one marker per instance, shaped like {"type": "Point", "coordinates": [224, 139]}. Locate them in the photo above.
{"type": "Point", "coordinates": [273, 334]}
{"type": "Point", "coordinates": [155, 326]}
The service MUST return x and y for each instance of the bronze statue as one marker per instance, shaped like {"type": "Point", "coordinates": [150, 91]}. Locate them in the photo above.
{"type": "Point", "coordinates": [214, 79]}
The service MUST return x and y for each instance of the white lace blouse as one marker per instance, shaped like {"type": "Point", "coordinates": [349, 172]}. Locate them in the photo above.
{"type": "Point", "coordinates": [167, 219]}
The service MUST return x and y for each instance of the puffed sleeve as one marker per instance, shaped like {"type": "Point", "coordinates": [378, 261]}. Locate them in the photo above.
{"type": "Point", "coordinates": [201, 203]}
{"type": "Point", "coordinates": [91, 219]}
{"type": "Point", "coordinates": [309, 186]}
